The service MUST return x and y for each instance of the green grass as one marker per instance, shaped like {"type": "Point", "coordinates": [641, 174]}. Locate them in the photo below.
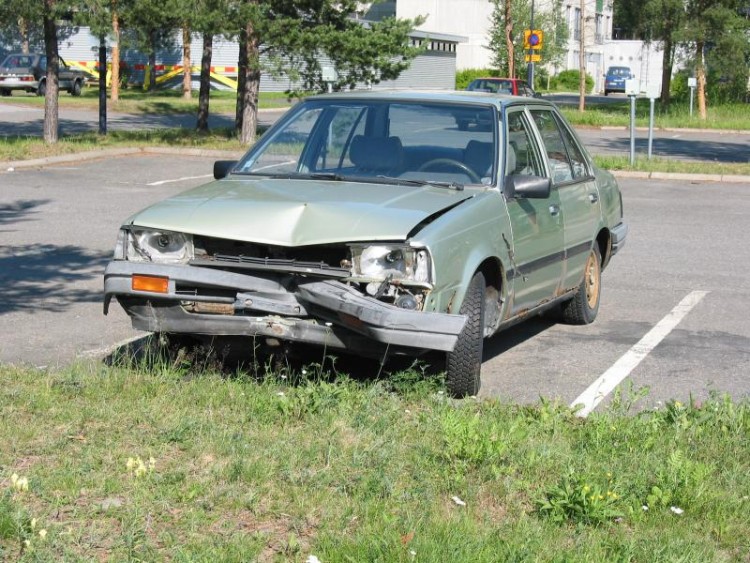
{"type": "Point", "coordinates": [642, 164]}
{"type": "Point", "coordinates": [729, 116]}
{"type": "Point", "coordinates": [24, 148]}
{"type": "Point", "coordinates": [157, 462]}
{"type": "Point", "coordinates": [134, 100]}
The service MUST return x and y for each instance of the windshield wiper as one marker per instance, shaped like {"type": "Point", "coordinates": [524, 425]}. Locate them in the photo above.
{"type": "Point", "coordinates": [415, 182]}
{"type": "Point", "coordinates": [325, 176]}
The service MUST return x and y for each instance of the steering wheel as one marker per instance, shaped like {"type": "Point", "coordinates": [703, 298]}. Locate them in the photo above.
{"type": "Point", "coordinates": [436, 162]}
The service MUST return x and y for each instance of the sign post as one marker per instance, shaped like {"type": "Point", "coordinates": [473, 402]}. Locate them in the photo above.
{"type": "Point", "coordinates": [653, 92]}
{"type": "Point", "coordinates": [532, 44]}
{"type": "Point", "coordinates": [631, 89]}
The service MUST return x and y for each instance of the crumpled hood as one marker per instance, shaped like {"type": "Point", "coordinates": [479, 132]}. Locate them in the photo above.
{"type": "Point", "coordinates": [298, 212]}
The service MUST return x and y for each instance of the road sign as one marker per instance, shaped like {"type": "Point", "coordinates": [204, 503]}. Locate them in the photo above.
{"type": "Point", "coordinates": [533, 58]}
{"type": "Point", "coordinates": [533, 39]}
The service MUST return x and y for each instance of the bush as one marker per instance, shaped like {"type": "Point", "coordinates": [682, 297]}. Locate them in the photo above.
{"type": "Point", "coordinates": [719, 90]}
{"type": "Point", "coordinates": [569, 80]}
{"type": "Point", "coordinates": [463, 77]}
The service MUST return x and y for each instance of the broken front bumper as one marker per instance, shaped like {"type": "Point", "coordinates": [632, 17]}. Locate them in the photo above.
{"type": "Point", "coordinates": [312, 310]}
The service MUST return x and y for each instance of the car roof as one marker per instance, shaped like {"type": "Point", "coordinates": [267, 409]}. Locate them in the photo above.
{"type": "Point", "coordinates": [445, 96]}
{"type": "Point", "coordinates": [497, 78]}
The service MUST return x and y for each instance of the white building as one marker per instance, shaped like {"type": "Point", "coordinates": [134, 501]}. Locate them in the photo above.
{"type": "Point", "coordinates": [472, 19]}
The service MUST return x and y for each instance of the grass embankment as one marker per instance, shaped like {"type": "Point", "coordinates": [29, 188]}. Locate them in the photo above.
{"type": "Point", "coordinates": [154, 463]}
{"type": "Point", "coordinates": [735, 117]}
{"type": "Point", "coordinates": [133, 100]}
{"type": "Point", "coordinates": [642, 164]}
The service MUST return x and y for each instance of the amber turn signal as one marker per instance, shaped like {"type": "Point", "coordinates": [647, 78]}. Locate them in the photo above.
{"type": "Point", "coordinates": [150, 283]}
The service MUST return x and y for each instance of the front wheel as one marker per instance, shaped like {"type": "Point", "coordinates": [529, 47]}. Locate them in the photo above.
{"type": "Point", "coordinates": [75, 90]}
{"type": "Point", "coordinates": [583, 308]}
{"type": "Point", "coordinates": [464, 364]}
{"type": "Point", "coordinates": [42, 89]}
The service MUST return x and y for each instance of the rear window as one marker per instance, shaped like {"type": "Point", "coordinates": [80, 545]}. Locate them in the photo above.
{"type": "Point", "coordinates": [619, 71]}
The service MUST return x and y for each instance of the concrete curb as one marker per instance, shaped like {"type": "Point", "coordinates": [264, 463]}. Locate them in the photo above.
{"type": "Point", "coordinates": [674, 130]}
{"type": "Point", "coordinates": [107, 153]}
{"type": "Point", "coordinates": [233, 155]}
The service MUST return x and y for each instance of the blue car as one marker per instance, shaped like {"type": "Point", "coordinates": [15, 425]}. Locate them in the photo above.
{"type": "Point", "coordinates": [615, 79]}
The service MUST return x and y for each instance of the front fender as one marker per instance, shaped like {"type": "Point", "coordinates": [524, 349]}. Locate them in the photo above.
{"type": "Point", "coordinates": [460, 241]}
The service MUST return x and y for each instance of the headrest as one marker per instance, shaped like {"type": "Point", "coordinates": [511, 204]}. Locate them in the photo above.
{"type": "Point", "coordinates": [376, 153]}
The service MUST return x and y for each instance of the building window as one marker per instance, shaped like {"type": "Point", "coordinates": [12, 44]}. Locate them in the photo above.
{"type": "Point", "coordinates": [576, 24]}
{"type": "Point", "coordinates": [599, 33]}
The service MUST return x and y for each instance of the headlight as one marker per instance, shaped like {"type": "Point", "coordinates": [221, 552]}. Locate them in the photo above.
{"type": "Point", "coordinates": [141, 245]}
{"type": "Point", "coordinates": [400, 262]}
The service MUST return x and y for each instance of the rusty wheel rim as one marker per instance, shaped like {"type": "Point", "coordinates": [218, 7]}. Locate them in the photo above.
{"type": "Point", "coordinates": [592, 280]}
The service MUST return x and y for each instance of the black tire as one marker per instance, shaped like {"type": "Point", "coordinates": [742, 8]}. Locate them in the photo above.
{"type": "Point", "coordinates": [5, 92]}
{"type": "Point", "coordinates": [606, 92]}
{"type": "Point", "coordinates": [42, 88]}
{"type": "Point", "coordinates": [464, 364]}
{"type": "Point", "coordinates": [75, 90]}
{"type": "Point", "coordinates": [583, 308]}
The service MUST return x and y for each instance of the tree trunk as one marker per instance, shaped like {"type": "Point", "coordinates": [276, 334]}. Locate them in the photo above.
{"type": "Point", "coordinates": [187, 70]}
{"type": "Point", "coordinates": [23, 29]}
{"type": "Point", "coordinates": [102, 85]}
{"type": "Point", "coordinates": [114, 94]}
{"type": "Point", "coordinates": [250, 91]}
{"type": "Point", "coordinates": [51, 122]}
{"type": "Point", "coordinates": [152, 60]}
{"type": "Point", "coordinates": [582, 61]}
{"type": "Point", "coordinates": [666, 71]}
{"type": "Point", "coordinates": [205, 90]}
{"type": "Point", "coordinates": [700, 75]}
{"type": "Point", "coordinates": [509, 38]}
{"type": "Point", "coordinates": [241, 77]}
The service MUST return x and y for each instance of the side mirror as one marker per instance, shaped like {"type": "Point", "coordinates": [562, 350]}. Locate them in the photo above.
{"type": "Point", "coordinates": [223, 167]}
{"type": "Point", "coordinates": [520, 186]}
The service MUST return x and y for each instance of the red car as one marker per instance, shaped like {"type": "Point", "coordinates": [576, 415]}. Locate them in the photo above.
{"type": "Point", "coordinates": [512, 86]}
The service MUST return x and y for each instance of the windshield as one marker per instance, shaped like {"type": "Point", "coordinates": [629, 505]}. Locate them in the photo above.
{"type": "Point", "coordinates": [369, 140]}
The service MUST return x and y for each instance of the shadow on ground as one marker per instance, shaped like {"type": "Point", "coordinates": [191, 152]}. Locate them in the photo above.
{"type": "Point", "coordinates": [47, 277]}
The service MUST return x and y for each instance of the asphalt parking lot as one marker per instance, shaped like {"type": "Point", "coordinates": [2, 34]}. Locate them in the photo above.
{"type": "Point", "coordinates": [58, 227]}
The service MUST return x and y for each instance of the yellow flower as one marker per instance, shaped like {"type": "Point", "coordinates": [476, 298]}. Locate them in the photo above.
{"type": "Point", "coordinates": [33, 523]}
{"type": "Point", "coordinates": [42, 533]}
{"type": "Point", "coordinates": [586, 488]}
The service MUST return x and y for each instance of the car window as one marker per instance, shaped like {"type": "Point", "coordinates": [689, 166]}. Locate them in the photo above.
{"type": "Point", "coordinates": [521, 153]}
{"type": "Point", "coordinates": [282, 153]}
{"type": "Point", "coordinates": [565, 156]}
{"type": "Point", "coordinates": [382, 139]}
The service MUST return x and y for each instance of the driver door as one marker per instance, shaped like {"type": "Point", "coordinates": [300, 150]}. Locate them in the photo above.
{"type": "Point", "coordinates": [536, 247]}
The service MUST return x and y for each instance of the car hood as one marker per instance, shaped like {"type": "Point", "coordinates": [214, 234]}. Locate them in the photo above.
{"type": "Point", "coordinates": [299, 212]}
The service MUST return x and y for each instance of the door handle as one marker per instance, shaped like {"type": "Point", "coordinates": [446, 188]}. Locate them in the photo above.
{"type": "Point", "coordinates": [593, 197]}
{"type": "Point", "coordinates": [554, 210]}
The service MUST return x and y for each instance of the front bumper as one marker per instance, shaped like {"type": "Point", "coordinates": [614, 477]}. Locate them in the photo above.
{"type": "Point", "coordinates": [295, 308]}
{"type": "Point", "coordinates": [618, 233]}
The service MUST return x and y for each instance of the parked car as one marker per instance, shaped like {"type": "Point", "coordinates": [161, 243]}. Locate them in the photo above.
{"type": "Point", "coordinates": [512, 86]}
{"type": "Point", "coordinates": [614, 81]}
{"type": "Point", "coordinates": [366, 222]}
{"type": "Point", "coordinates": [29, 73]}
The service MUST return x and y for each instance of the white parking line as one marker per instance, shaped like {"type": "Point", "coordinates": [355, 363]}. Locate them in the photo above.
{"type": "Point", "coordinates": [161, 182]}
{"type": "Point", "coordinates": [611, 378]}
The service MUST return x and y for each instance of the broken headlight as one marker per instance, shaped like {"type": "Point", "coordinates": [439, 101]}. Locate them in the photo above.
{"type": "Point", "coordinates": [146, 245]}
{"type": "Point", "coordinates": [398, 262]}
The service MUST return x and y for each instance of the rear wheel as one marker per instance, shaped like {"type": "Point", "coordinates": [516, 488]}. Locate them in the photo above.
{"type": "Point", "coordinates": [75, 90]}
{"type": "Point", "coordinates": [464, 364]}
{"type": "Point", "coordinates": [5, 92]}
{"type": "Point", "coordinates": [42, 89]}
{"type": "Point", "coordinates": [583, 308]}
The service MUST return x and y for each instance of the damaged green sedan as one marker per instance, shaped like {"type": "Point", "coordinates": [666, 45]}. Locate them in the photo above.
{"type": "Point", "coordinates": [369, 222]}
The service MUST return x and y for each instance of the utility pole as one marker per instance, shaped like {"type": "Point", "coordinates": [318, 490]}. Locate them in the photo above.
{"type": "Point", "coordinates": [582, 60]}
